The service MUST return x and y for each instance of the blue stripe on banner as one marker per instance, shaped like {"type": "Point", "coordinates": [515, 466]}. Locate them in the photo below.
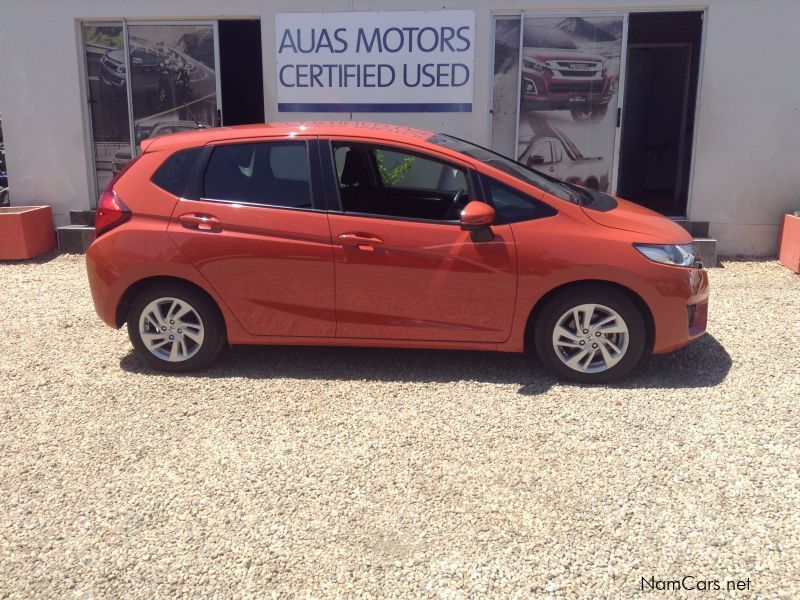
{"type": "Point", "coordinates": [397, 107]}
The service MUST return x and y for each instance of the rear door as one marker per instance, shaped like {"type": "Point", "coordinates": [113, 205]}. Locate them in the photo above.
{"type": "Point", "coordinates": [404, 268]}
{"type": "Point", "coordinates": [256, 232]}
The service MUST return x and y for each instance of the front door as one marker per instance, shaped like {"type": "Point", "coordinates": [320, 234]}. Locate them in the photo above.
{"type": "Point", "coordinates": [256, 236]}
{"type": "Point", "coordinates": [404, 268]}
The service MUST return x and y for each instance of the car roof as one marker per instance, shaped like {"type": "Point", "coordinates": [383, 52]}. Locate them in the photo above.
{"type": "Point", "coordinates": [201, 137]}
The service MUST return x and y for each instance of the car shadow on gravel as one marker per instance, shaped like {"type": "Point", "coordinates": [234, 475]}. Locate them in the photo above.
{"type": "Point", "coordinates": [702, 364]}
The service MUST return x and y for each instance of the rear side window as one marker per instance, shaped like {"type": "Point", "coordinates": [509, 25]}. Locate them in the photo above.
{"type": "Point", "coordinates": [511, 205]}
{"type": "Point", "coordinates": [289, 161]}
{"type": "Point", "coordinates": [174, 173]}
{"type": "Point", "coordinates": [268, 173]}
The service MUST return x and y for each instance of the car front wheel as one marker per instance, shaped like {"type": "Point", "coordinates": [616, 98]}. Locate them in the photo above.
{"type": "Point", "coordinates": [590, 334]}
{"type": "Point", "coordinates": [175, 328]}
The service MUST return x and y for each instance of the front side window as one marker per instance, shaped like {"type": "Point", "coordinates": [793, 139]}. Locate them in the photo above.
{"type": "Point", "coordinates": [408, 171]}
{"type": "Point", "coordinates": [511, 205]}
{"type": "Point", "coordinates": [542, 153]}
{"type": "Point", "coordinates": [268, 173]}
{"type": "Point", "coordinates": [551, 185]}
{"type": "Point", "coordinates": [393, 182]}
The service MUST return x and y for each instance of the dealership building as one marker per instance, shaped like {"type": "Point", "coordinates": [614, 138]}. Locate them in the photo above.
{"type": "Point", "coordinates": [692, 110]}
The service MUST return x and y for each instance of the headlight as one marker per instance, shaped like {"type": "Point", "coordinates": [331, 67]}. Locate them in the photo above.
{"type": "Point", "coordinates": [683, 255]}
{"type": "Point", "coordinates": [534, 65]}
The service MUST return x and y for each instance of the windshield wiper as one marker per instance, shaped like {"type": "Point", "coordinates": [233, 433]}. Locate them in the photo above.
{"type": "Point", "coordinates": [583, 197]}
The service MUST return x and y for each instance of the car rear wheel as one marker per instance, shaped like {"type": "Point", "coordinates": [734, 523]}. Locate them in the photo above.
{"type": "Point", "coordinates": [590, 334]}
{"type": "Point", "coordinates": [594, 113]}
{"type": "Point", "coordinates": [175, 328]}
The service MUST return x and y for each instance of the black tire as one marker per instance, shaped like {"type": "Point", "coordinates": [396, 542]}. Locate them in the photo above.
{"type": "Point", "coordinates": [594, 114]}
{"type": "Point", "coordinates": [602, 295]}
{"type": "Point", "coordinates": [214, 337]}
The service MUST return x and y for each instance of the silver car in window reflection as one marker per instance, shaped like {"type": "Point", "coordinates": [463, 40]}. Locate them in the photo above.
{"type": "Point", "coordinates": [550, 151]}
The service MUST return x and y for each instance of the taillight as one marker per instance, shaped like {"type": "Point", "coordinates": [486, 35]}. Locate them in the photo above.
{"type": "Point", "coordinates": [111, 210]}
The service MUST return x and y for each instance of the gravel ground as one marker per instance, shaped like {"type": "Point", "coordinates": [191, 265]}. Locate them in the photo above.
{"type": "Point", "coordinates": [348, 472]}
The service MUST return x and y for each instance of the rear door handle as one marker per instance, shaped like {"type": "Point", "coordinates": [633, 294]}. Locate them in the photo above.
{"type": "Point", "coordinates": [362, 241]}
{"type": "Point", "coordinates": [200, 222]}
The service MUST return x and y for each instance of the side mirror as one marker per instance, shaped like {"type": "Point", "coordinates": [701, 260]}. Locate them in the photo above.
{"type": "Point", "coordinates": [478, 217]}
{"type": "Point", "coordinates": [536, 159]}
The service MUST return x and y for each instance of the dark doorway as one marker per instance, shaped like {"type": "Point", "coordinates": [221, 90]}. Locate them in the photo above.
{"type": "Point", "coordinates": [241, 73]}
{"type": "Point", "coordinates": [658, 116]}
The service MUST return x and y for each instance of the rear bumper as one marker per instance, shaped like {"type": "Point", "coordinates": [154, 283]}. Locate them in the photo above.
{"type": "Point", "coordinates": [679, 305]}
{"type": "Point", "coordinates": [101, 283]}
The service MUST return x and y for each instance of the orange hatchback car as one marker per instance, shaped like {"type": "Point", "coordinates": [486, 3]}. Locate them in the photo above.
{"type": "Point", "coordinates": [360, 234]}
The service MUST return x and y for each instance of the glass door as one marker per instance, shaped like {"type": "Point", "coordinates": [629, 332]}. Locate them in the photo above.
{"type": "Point", "coordinates": [145, 80]}
{"type": "Point", "coordinates": [173, 78]}
{"type": "Point", "coordinates": [106, 87]}
{"type": "Point", "coordinates": [567, 80]}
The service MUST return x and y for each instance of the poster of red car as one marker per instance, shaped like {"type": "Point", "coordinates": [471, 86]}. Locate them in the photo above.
{"type": "Point", "coordinates": [561, 76]}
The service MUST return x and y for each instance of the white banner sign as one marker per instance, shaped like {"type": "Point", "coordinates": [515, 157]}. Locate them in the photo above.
{"type": "Point", "coordinates": [399, 61]}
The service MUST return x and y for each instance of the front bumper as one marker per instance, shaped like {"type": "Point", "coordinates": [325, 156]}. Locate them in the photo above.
{"type": "Point", "coordinates": [679, 305]}
{"type": "Point", "coordinates": [111, 78]}
{"type": "Point", "coordinates": [548, 93]}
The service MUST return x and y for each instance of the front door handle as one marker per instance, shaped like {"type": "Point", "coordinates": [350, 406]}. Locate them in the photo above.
{"type": "Point", "coordinates": [362, 241]}
{"type": "Point", "coordinates": [200, 222]}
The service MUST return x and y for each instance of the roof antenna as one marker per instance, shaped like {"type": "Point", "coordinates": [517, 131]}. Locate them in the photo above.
{"type": "Point", "coordinates": [194, 118]}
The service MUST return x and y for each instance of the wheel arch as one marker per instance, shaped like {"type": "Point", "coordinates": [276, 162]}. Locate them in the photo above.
{"type": "Point", "coordinates": [647, 314]}
{"type": "Point", "coordinates": [135, 289]}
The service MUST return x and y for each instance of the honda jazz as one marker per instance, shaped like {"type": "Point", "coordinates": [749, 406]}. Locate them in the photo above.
{"type": "Point", "coordinates": [361, 234]}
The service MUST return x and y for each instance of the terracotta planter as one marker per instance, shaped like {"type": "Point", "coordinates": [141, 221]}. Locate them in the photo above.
{"type": "Point", "coordinates": [26, 231]}
{"type": "Point", "coordinates": [789, 244]}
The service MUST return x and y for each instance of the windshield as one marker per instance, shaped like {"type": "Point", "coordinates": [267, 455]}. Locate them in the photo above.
{"type": "Point", "coordinates": [544, 182]}
{"type": "Point", "coordinates": [534, 36]}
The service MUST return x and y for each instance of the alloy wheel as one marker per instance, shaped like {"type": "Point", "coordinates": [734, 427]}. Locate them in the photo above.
{"type": "Point", "coordinates": [171, 329]}
{"type": "Point", "coordinates": [590, 338]}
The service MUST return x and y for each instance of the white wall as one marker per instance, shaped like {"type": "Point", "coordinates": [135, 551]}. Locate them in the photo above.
{"type": "Point", "coordinates": [747, 167]}
{"type": "Point", "coordinates": [746, 172]}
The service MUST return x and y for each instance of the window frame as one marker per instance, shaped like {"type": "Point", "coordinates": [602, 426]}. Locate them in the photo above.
{"type": "Point", "coordinates": [197, 191]}
{"type": "Point", "coordinates": [334, 199]}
